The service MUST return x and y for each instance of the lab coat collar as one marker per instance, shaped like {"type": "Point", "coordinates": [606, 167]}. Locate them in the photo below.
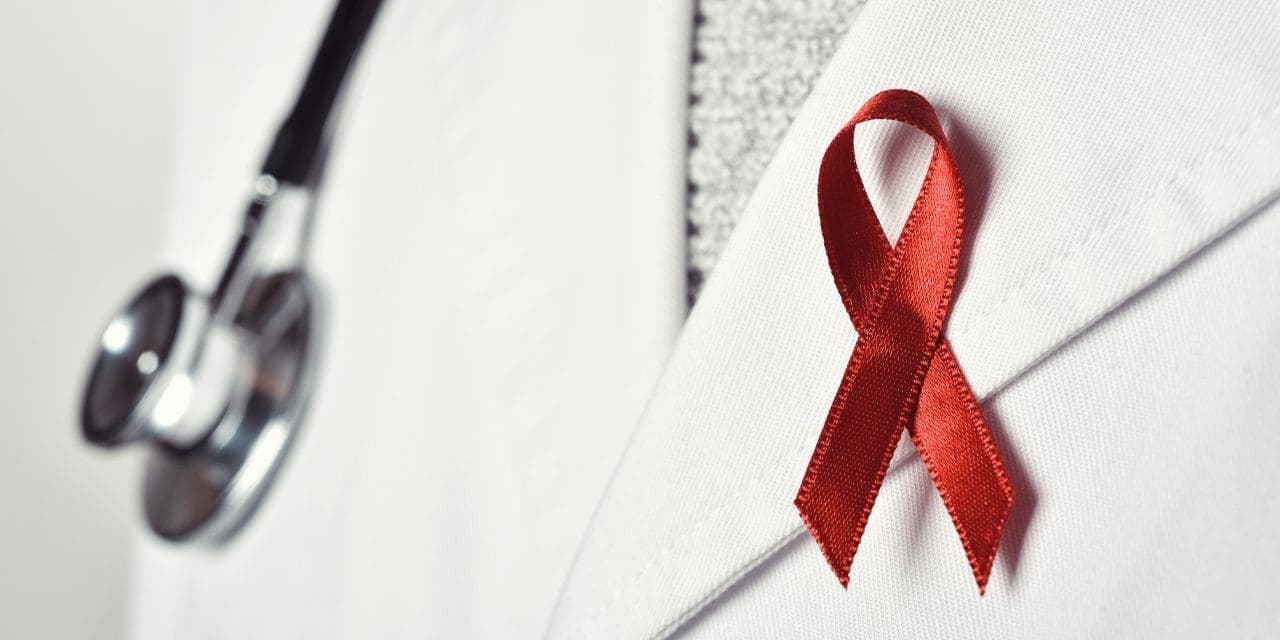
{"type": "Point", "coordinates": [1090, 173]}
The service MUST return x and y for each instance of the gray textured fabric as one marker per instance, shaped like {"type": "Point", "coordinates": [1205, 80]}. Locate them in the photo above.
{"type": "Point", "coordinates": [754, 63]}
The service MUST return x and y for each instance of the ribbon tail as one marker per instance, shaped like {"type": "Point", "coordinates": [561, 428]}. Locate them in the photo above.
{"type": "Point", "coordinates": [848, 466]}
{"type": "Point", "coordinates": [956, 446]}
{"type": "Point", "coordinates": [837, 519]}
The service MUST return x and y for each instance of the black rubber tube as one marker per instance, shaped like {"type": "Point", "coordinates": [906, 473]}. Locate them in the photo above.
{"type": "Point", "coordinates": [293, 152]}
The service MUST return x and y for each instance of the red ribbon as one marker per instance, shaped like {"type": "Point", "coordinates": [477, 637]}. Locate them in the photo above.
{"type": "Point", "coordinates": [902, 372]}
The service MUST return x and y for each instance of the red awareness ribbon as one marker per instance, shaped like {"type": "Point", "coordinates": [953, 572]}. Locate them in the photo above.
{"type": "Point", "coordinates": [902, 373]}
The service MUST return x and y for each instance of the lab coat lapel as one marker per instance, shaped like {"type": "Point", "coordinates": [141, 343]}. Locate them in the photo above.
{"type": "Point", "coordinates": [1090, 174]}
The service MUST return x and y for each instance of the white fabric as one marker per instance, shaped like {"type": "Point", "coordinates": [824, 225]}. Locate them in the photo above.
{"type": "Point", "coordinates": [499, 307]}
{"type": "Point", "coordinates": [1117, 314]}
{"type": "Point", "coordinates": [1106, 147]}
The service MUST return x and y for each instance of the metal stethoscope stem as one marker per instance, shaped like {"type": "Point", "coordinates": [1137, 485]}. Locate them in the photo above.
{"type": "Point", "coordinates": [218, 385]}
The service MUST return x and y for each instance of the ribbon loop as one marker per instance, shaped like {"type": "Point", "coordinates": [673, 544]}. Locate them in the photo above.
{"type": "Point", "coordinates": [902, 374]}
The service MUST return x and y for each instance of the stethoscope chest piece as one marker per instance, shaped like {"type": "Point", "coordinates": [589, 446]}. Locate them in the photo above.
{"type": "Point", "coordinates": [219, 401]}
{"type": "Point", "coordinates": [216, 386]}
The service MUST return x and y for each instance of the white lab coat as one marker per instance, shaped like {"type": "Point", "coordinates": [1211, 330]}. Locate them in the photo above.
{"type": "Point", "coordinates": [501, 240]}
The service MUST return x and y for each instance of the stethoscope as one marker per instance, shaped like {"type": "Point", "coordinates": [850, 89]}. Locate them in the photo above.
{"type": "Point", "coordinates": [217, 385]}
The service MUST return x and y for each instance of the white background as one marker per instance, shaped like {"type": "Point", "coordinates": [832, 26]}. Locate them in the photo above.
{"type": "Point", "coordinates": [86, 106]}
